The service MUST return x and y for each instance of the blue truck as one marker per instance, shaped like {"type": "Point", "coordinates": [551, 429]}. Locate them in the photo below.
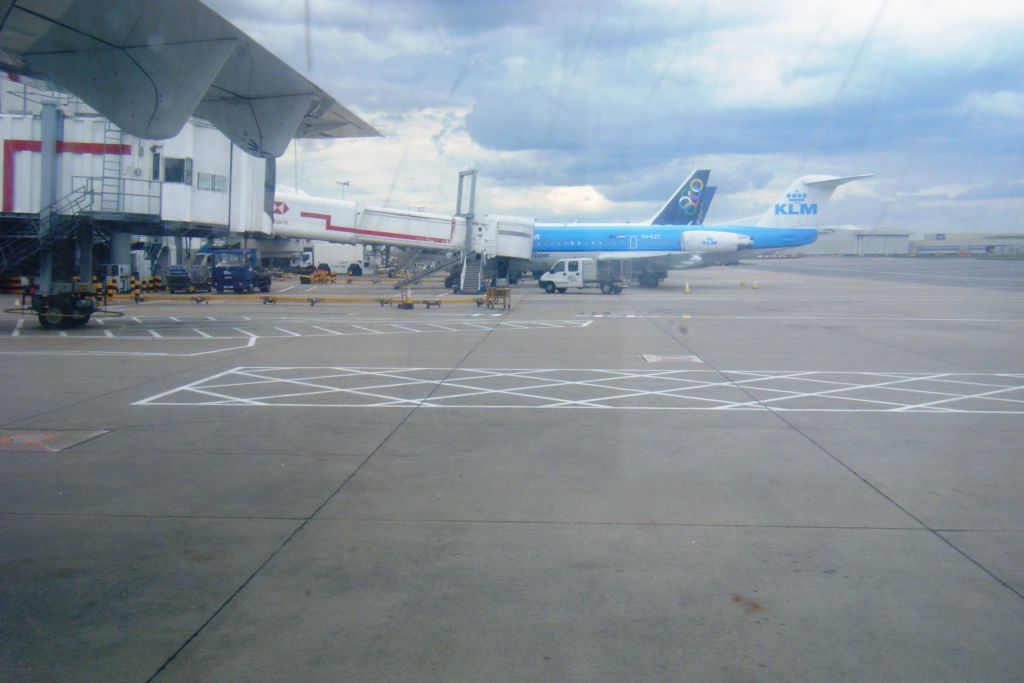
{"type": "Point", "coordinates": [237, 269]}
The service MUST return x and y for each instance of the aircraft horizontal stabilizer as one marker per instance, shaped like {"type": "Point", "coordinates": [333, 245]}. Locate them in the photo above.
{"type": "Point", "coordinates": [832, 182]}
{"type": "Point", "coordinates": [802, 203]}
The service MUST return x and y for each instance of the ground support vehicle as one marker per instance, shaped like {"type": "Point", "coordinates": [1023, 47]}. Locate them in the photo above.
{"type": "Point", "coordinates": [239, 270]}
{"type": "Point", "coordinates": [193, 276]}
{"type": "Point", "coordinates": [71, 304]}
{"type": "Point", "coordinates": [582, 273]}
{"type": "Point", "coordinates": [334, 258]}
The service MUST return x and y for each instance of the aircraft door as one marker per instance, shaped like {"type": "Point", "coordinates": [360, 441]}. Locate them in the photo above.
{"type": "Point", "coordinates": [632, 242]}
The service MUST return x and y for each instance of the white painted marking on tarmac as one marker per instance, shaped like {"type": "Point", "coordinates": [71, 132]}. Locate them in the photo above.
{"type": "Point", "coordinates": [606, 389]}
{"type": "Point", "coordinates": [942, 276]}
{"type": "Point", "coordinates": [174, 319]}
{"type": "Point", "coordinates": [114, 334]}
{"type": "Point", "coordinates": [700, 316]}
{"type": "Point", "coordinates": [136, 319]}
{"type": "Point", "coordinates": [139, 354]}
{"type": "Point", "coordinates": [17, 327]}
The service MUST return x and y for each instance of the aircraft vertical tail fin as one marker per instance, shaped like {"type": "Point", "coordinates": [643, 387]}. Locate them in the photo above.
{"type": "Point", "coordinates": [688, 204]}
{"type": "Point", "coordinates": [709, 194]}
{"type": "Point", "coordinates": [801, 205]}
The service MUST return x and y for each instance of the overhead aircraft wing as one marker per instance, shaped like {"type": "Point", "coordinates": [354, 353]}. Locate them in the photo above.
{"type": "Point", "coordinates": [148, 66]}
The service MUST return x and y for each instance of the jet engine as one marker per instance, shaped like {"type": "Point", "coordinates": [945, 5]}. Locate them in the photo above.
{"type": "Point", "coordinates": [710, 241]}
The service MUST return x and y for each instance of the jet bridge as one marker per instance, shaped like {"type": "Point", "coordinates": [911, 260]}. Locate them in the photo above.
{"type": "Point", "coordinates": [475, 245]}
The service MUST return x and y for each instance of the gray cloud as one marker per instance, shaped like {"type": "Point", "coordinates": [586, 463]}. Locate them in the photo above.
{"type": "Point", "coordinates": [629, 97]}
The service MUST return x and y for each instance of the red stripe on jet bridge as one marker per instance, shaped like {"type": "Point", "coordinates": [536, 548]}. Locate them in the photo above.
{"type": "Point", "coordinates": [377, 233]}
{"type": "Point", "coordinates": [12, 147]}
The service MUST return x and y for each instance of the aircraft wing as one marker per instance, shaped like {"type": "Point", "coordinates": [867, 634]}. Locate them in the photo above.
{"type": "Point", "coordinates": [148, 66]}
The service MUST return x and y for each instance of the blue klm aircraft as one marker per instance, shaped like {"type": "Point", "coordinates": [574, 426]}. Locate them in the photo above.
{"type": "Point", "coordinates": [676, 237]}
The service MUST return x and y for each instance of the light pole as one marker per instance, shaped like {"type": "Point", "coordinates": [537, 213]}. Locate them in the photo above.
{"type": "Point", "coordinates": [343, 184]}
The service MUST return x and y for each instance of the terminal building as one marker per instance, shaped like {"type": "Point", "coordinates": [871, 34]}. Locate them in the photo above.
{"type": "Point", "coordinates": [186, 115]}
{"type": "Point", "coordinates": [120, 190]}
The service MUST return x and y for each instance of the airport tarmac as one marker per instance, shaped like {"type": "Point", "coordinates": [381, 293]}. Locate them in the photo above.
{"type": "Point", "coordinates": [804, 469]}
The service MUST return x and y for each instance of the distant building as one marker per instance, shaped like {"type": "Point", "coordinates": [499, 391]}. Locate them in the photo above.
{"type": "Point", "coordinates": [969, 243]}
{"type": "Point", "coordinates": [838, 242]}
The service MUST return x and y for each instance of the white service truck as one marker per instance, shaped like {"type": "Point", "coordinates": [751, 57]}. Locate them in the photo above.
{"type": "Point", "coordinates": [580, 273]}
{"type": "Point", "coordinates": [340, 258]}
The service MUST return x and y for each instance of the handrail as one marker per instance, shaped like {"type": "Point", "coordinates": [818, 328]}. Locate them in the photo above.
{"type": "Point", "coordinates": [145, 197]}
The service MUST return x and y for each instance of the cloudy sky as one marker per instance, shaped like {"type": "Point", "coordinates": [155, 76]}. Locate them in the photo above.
{"type": "Point", "coordinates": [599, 109]}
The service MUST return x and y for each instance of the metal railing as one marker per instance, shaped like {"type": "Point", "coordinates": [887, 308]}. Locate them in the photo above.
{"type": "Point", "coordinates": [34, 235]}
{"type": "Point", "coordinates": [130, 195]}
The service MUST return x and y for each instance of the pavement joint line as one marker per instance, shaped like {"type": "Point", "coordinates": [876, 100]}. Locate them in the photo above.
{"type": "Point", "coordinates": [1005, 584]}
{"type": "Point", "coordinates": [498, 522]}
{"type": "Point", "coordinates": [133, 515]}
{"type": "Point", "coordinates": [904, 350]}
{"type": "Point", "coordinates": [130, 387]}
{"type": "Point", "coordinates": [301, 526]}
{"type": "Point", "coordinates": [776, 413]}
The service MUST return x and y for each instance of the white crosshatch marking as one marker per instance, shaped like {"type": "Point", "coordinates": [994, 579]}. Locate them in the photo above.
{"type": "Point", "coordinates": [673, 389]}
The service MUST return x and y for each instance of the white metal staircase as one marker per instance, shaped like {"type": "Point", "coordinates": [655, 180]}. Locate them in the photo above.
{"type": "Point", "coordinates": [472, 264]}
{"type": "Point", "coordinates": [54, 224]}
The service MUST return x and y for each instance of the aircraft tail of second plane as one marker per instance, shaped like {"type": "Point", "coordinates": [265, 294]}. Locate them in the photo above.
{"type": "Point", "coordinates": [689, 203]}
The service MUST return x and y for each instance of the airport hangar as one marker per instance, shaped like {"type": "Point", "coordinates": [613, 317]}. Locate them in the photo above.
{"type": "Point", "coordinates": [890, 242]}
